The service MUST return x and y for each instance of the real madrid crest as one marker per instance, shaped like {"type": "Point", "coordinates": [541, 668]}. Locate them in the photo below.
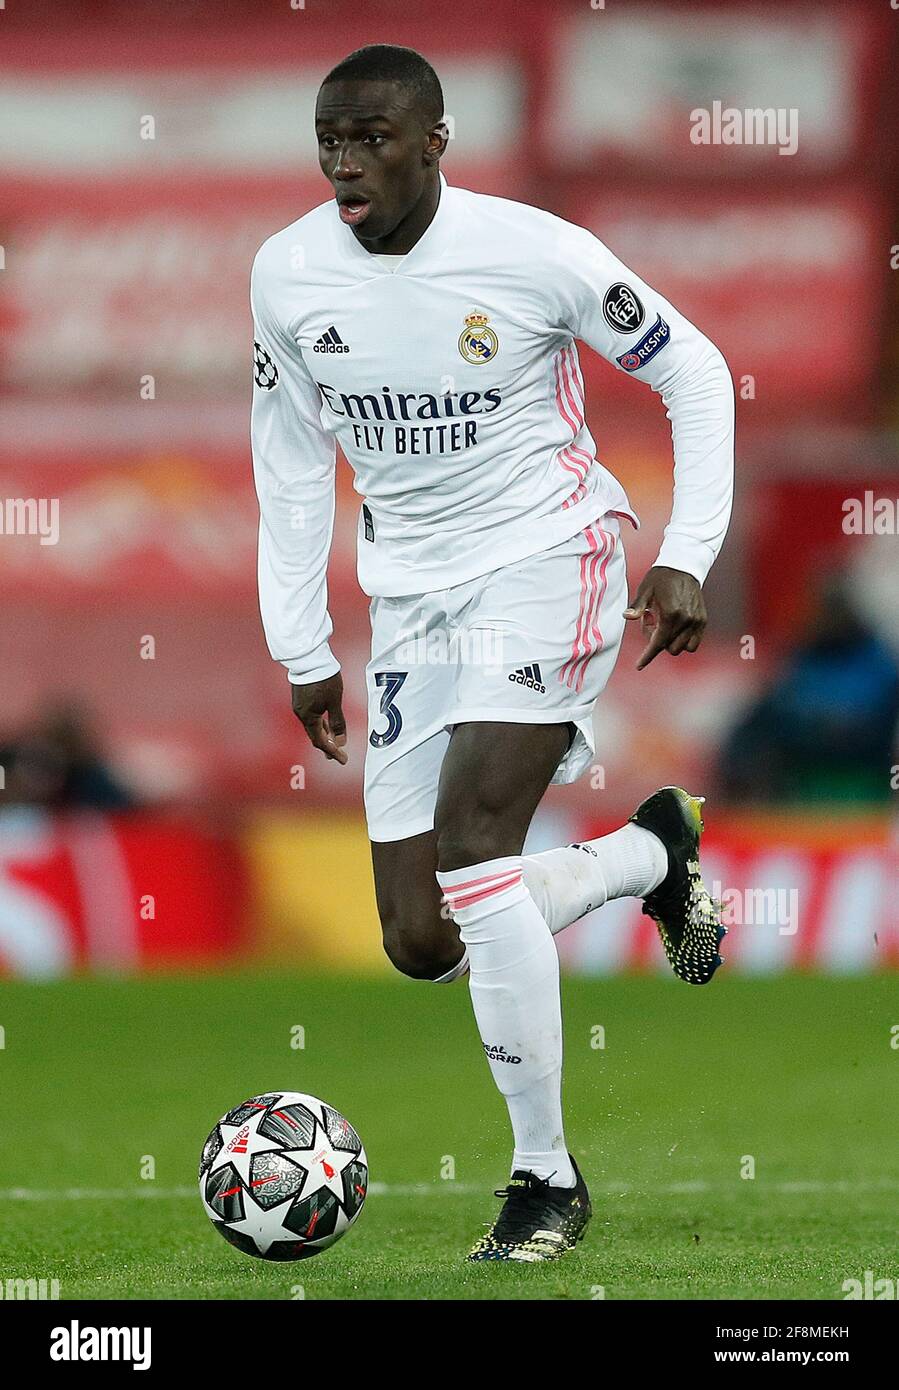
{"type": "Point", "coordinates": [478, 342]}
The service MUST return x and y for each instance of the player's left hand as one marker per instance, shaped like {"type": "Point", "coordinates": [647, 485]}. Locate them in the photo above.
{"type": "Point", "coordinates": [671, 611]}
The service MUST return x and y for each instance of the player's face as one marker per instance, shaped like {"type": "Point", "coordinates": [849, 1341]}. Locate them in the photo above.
{"type": "Point", "coordinates": [375, 151]}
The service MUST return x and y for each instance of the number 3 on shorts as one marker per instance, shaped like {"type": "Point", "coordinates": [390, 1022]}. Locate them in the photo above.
{"type": "Point", "coordinates": [390, 683]}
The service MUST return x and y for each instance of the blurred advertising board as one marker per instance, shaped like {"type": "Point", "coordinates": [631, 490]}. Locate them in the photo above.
{"type": "Point", "coordinates": [810, 893]}
{"type": "Point", "coordinates": [87, 893]}
{"type": "Point", "coordinates": [129, 233]}
{"type": "Point", "coordinates": [117, 893]}
{"type": "Point", "coordinates": [130, 523]}
{"type": "Point", "coordinates": [768, 276]}
{"type": "Point", "coordinates": [630, 78]}
{"type": "Point", "coordinates": [157, 274]}
{"type": "Point", "coordinates": [849, 525]}
{"type": "Point", "coordinates": [800, 892]}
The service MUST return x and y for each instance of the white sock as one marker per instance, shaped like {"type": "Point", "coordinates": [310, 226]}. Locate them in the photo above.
{"type": "Point", "coordinates": [515, 993]}
{"type": "Point", "coordinates": [566, 883]}
{"type": "Point", "coordinates": [453, 974]}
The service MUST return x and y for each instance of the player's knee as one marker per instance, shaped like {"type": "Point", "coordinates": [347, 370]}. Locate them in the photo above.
{"type": "Point", "coordinates": [474, 837]}
{"type": "Point", "coordinates": [420, 954]}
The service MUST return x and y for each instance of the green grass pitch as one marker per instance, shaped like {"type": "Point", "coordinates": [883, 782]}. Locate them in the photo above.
{"type": "Point", "coordinates": [796, 1073]}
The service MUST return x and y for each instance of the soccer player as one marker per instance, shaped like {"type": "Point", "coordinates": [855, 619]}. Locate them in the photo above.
{"type": "Point", "coordinates": [430, 331]}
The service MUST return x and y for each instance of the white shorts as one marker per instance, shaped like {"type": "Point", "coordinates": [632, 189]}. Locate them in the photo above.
{"type": "Point", "coordinates": [532, 643]}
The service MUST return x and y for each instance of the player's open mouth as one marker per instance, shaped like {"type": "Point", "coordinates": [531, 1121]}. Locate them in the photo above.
{"type": "Point", "coordinates": [354, 211]}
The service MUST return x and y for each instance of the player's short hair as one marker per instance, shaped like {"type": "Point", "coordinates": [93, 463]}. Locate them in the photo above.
{"type": "Point", "coordinates": [388, 62]}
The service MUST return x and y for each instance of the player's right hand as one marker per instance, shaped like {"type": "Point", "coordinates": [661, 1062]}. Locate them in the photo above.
{"type": "Point", "coordinates": [319, 708]}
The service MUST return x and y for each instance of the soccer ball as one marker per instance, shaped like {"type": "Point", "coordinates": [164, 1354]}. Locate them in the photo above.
{"type": "Point", "coordinates": [283, 1176]}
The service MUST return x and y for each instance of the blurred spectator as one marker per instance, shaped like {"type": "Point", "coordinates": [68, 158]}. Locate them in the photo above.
{"type": "Point", "coordinates": [57, 764]}
{"type": "Point", "coordinates": [825, 729]}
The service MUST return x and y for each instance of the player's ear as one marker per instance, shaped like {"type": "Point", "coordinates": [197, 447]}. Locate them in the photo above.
{"type": "Point", "coordinates": [438, 138]}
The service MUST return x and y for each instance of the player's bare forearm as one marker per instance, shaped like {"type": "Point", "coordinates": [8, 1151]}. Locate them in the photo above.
{"type": "Point", "coordinates": [671, 611]}
{"type": "Point", "coordinates": [319, 708]}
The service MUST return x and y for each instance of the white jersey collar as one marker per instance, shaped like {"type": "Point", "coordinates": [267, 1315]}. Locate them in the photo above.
{"type": "Point", "coordinates": [436, 239]}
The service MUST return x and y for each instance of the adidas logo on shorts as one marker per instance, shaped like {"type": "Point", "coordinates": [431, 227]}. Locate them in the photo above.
{"type": "Point", "coordinates": [330, 341]}
{"type": "Point", "coordinates": [529, 677]}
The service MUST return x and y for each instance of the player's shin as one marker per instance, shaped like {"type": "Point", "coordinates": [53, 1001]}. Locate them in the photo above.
{"type": "Point", "coordinates": [567, 883]}
{"type": "Point", "coordinates": [515, 993]}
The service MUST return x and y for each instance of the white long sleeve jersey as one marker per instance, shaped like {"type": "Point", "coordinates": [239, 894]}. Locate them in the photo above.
{"type": "Point", "coordinates": [451, 382]}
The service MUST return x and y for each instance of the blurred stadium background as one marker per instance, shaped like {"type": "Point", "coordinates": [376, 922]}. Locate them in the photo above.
{"type": "Point", "coordinates": [160, 805]}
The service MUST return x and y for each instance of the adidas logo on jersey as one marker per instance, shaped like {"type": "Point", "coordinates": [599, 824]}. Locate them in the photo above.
{"type": "Point", "coordinates": [529, 677]}
{"type": "Point", "coordinates": [330, 342]}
